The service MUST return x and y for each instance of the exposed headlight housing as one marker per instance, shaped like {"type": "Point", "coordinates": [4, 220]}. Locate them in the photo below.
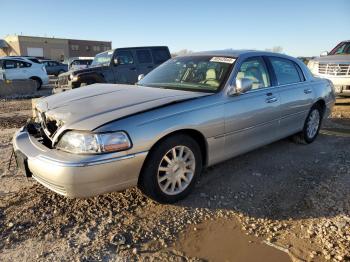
{"type": "Point", "coordinates": [79, 142]}
{"type": "Point", "coordinates": [72, 77]}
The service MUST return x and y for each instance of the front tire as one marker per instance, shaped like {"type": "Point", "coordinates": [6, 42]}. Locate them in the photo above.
{"type": "Point", "coordinates": [171, 170]}
{"type": "Point", "coordinates": [311, 127]}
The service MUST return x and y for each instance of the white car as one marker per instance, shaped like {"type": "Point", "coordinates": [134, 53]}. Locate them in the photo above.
{"type": "Point", "coordinates": [23, 68]}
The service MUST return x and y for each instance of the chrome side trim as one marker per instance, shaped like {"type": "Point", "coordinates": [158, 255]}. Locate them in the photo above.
{"type": "Point", "coordinates": [85, 164]}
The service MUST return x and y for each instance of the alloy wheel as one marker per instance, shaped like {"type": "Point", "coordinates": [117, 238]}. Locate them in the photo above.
{"type": "Point", "coordinates": [176, 170]}
{"type": "Point", "coordinates": [313, 123]}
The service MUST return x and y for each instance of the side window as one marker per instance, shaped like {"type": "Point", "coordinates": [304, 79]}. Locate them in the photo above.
{"type": "Point", "coordinates": [21, 64]}
{"type": "Point", "coordinates": [10, 64]}
{"type": "Point", "coordinates": [46, 63]}
{"type": "Point", "coordinates": [143, 56]}
{"type": "Point", "coordinates": [285, 71]}
{"type": "Point", "coordinates": [255, 70]}
{"type": "Point", "coordinates": [125, 57]}
{"type": "Point", "coordinates": [160, 55]}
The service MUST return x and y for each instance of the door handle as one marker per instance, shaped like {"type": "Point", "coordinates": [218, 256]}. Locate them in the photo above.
{"type": "Point", "coordinates": [149, 67]}
{"type": "Point", "coordinates": [307, 91]}
{"type": "Point", "coordinates": [271, 99]}
{"type": "Point", "coordinates": [133, 68]}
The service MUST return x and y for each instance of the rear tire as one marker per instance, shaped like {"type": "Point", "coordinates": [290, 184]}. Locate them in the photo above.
{"type": "Point", "coordinates": [171, 169]}
{"type": "Point", "coordinates": [38, 82]}
{"type": "Point", "coordinates": [311, 127]}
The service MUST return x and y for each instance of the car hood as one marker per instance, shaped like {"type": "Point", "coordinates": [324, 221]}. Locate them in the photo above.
{"type": "Point", "coordinates": [89, 107]}
{"type": "Point", "coordinates": [84, 71]}
{"type": "Point", "coordinates": [333, 59]}
{"type": "Point", "coordinates": [88, 70]}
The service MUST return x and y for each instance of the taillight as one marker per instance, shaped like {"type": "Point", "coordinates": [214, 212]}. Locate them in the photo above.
{"type": "Point", "coordinates": [44, 69]}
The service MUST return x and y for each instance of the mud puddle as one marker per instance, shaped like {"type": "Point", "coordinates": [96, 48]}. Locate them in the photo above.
{"type": "Point", "coordinates": [223, 240]}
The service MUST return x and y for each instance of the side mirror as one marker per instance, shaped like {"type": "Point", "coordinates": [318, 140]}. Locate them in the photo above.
{"type": "Point", "coordinates": [140, 77]}
{"type": "Point", "coordinates": [242, 85]}
{"type": "Point", "coordinates": [116, 61]}
{"type": "Point", "coordinates": [324, 53]}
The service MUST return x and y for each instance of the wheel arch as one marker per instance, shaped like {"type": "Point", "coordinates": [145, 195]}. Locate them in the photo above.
{"type": "Point", "coordinates": [322, 104]}
{"type": "Point", "coordinates": [36, 78]}
{"type": "Point", "coordinates": [193, 133]}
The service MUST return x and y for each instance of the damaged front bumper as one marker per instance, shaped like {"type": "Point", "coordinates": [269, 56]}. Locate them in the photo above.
{"type": "Point", "coordinates": [76, 175]}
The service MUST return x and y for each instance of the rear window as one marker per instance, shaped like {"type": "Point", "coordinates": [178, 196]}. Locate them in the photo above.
{"type": "Point", "coordinates": [285, 70]}
{"type": "Point", "coordinates": [160, 55]}
{"type": "Point", "coordinates": [143, 56]}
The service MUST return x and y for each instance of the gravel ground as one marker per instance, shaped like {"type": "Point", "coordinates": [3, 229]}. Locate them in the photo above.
{"type": "Point", "coordinates": [295, 198]}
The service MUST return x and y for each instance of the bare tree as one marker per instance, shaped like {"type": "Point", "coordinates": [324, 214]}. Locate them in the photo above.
{"type": "Point", "coordinates": [181, 52]}
{"type": "Point", "coordinates": [275, 49]}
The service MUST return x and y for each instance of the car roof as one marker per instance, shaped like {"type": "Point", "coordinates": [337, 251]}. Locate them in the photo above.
{"type": "Point", "coordinates": [15, 58]}
{"type": "Point", "coordinates": [238, 53]}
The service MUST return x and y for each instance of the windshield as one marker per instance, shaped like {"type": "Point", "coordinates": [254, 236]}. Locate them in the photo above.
{"type": "Point", "coordinates": [192, 73]}
{"type": "Point", "coordinates": [341, 49]}
{"type": "Point", "coordinates": [102, 59]}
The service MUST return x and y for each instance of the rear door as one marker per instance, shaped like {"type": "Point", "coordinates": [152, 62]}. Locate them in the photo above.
{"type": "Point", "coordinates": [48, 67]}
{"type": "Point", "coordinates": [125, 71]}
{"type": "Point", "coordinates": [252, 118]}
{"type": "Point", "coordinates": [54, 67]}
{"type": "Point", "coordinates": [296, 95]}
{"type": "Point", "coordinates": [145, 61]}
{"type": "Point", "coordinates": [160, 55]}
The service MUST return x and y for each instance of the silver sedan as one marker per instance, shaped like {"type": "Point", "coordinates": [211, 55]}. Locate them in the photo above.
{"type": "Point", "coordinates": [189, 113]}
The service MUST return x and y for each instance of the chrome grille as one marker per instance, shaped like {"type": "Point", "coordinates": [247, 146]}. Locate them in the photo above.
{"type": "Point", "coordinates": [334, 69]}
{"type": "Point", "coordinates": [62, 80]}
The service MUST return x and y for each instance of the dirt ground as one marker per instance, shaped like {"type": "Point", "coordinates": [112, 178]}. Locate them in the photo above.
{"type": "Point", "coordinates": [281, 202]}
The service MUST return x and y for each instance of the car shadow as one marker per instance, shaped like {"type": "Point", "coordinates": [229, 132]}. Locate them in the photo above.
{"type": "Point", "coordinates": [280, 181]}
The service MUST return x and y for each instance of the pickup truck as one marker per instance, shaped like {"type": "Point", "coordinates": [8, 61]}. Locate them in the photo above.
{"type": "Point", "coordinates": [119, 66]}
{"type": "Point", "coordinates": [334, 66]}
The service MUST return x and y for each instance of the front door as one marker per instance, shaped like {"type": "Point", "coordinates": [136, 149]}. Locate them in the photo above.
{"type": "Point", "coordinates": [13, 70]}
{"type": "Point", "coordinates": [252, 118]}
{"type": "Point", "coordinates": [125, 70]}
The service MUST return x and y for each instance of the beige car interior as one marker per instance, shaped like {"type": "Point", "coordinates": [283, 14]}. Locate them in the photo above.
{"type": "Point", "coordinates": [254, 71]}
{"type": "Point", "coordinates": [210, 78]}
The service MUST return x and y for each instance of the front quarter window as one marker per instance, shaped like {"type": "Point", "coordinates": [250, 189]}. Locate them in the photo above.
{"type": "Point", "coordinates": [192, 73]}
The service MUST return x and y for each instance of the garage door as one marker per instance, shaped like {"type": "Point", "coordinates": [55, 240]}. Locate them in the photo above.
{"type": "Point", "coordinates": [35, 51]}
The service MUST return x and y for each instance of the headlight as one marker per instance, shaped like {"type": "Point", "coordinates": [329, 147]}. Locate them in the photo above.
{"type": "Point", "coordinates": [72, 77]}
{"type": "Point", "coordinates": [79, 142]}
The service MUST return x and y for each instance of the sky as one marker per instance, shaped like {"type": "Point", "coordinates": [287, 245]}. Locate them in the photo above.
{"type": "Point", "coordinates": [300, 27]}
